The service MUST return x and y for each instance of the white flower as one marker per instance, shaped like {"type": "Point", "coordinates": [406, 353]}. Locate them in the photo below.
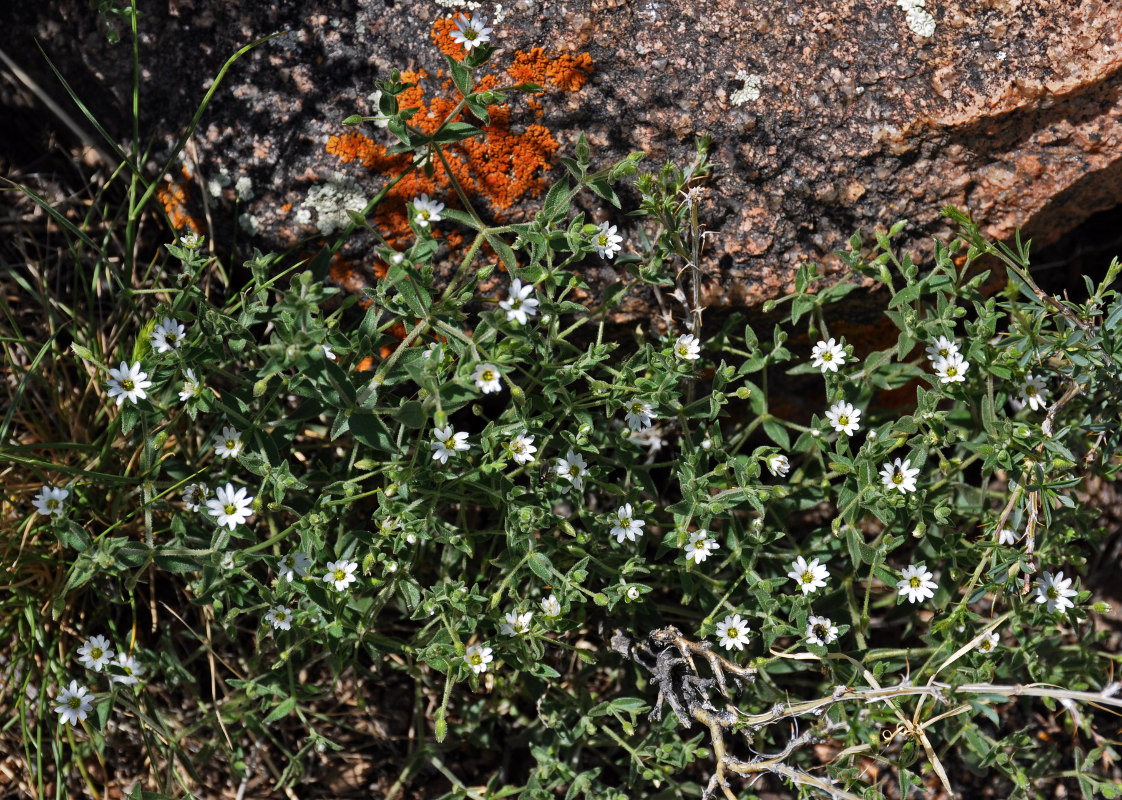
{"type": "Point", "coordinates": [607, 242]}
{"type": "Point", "coordinates": [229, 443]}
{"type": "Point", "coordinates": [340, 574]}
{"type": "Point", "coordinates": [844, 417]}
{"type": "Point", "coordinates": [486, 377]}
{"type": "Point", "coordinates": [516, 624]}
{"type": "Point", "coordinates": [941, 348]}
{"type": "Point", "coordinates": [574, 468]}
{"type": "Point", "coordinates": [95, 653]}
{"type": "Point", "coordinates": [434, 352]}
{"type": "Point", "coordinates": [828, 356]}
{"type": "Point", "coordinates": [375, 100]}
{"type": "Point", "coordinates": [1055, 591]}
{"type": "Point", "coordinates": [192, 387]}
{"type": "Point", "coordinates": [1007, 537]}
{"type": "Point", "coordinates": [778, 465]}
{"type": "Point", "coordinates": [1034, 393]}
{"type": "Point", "coordinates": [915, 581]}
{"type": "Point", "coordinates": [190, 240]}
{"type": "Point", "coordinates": [73, 703]}
{"type": "Point", "coordinates": [733, 632]}
{"type": "Point", "coordinates": [988, 643]}
{"type": "Point", "coordinates": [478, 656]}
{"type": "Point", "coordinates": [49, 501]}
{"type": "Point", "coordinates": [899, 475]}
{"type": "Point", "coordinates": [447, 443]}
{"type": "Point", "coordinates": [809, 576]}
{"type": "Point", "coordinates": [687, 347]}
{"type": "Point", "coordinates": [821, 631]}
{"type": "Point", "coordinates": [280, 617]}
{"type": "Point", "coordinates": [471, 32]}
{"type": "Point", "coordinates": [194, 495]}
{"type": "Point", "coordinates": [626, 526]}
{"type": "Point", "coordinates": [952, 369]}
{"type": "Point", "coordinates": [700, 546]}
{"type": "Point", "coordinates": [328, 353]}
{"type": "Point", "coordinates": [640, 415]}
{"type": "Point", "coordinates": [551, 607]}
{"type": "Point", "coordinates": [293, 565]}
{"type": "Point", "coordinates": [230, 507]}
{"type": "Point", "coordinates": [519, 306]}
{"type": "Point", "coordinates": [128, 383]}
{"type": "Point", "coordinates": [427, 210]}
{"type": "Point", "coordinates": [521, 448]}
{"type": "Point", "coordinates": [131, 667]}
{"type": "Point", "coordinates": [167, 335]}
{"type": "Point", "coordinates": [650, 438]}
{"type": "Point", "coordinates": [632, 593]}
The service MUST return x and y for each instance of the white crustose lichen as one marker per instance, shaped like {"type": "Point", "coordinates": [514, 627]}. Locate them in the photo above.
{"type": "Point", "coordinates": [750, 91]}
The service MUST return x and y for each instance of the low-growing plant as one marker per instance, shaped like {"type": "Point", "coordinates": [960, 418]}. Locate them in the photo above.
{"type": "Point", "coordinates": [552, 532]}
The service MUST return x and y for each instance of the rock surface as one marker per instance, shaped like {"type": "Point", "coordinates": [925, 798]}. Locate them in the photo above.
{"type": "Point", "coordinates": [826, 116]}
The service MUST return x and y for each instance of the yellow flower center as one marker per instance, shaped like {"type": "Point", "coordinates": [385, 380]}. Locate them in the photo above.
{"type": "Point", "coordinates": [340, 575]}
{"type": "Point", "coordinates": [470, 34]}
{"type": "Point", "coordinates": [1031, 391]}
{"type": "Point", "coordinates": [898, 477]}
{"type": "Point", "coordinates": [915, 582]}
{"type": "Point", "coordinates": [230, 509]}
{"type": "Point", "coordinates": [52, 504]}
{"type": "Point", "coordinates": [808, 577]}
{"type": "Point", "coordinates": [843, 420]}
{"type": "Point", "coordinates": [127, 384]}
{"type": "Point", "coordinates": [231, 444]}
{"type": "Point", "coordinates": [1052, 593]}
{"type": "Point", "coordinates": [96, 653]}
{"type": "Point", "coordinates": [476, 659]}
{"type": "Point", "coordinates": [602, 240]}
{"type": "Point", "coordinates": [487, 375]}
{"type": "Point", "coordinates": [74, 702]}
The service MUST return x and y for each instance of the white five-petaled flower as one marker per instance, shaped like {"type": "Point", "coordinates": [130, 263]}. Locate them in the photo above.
{"type": "Point", "coordinates": [844, 417]}
{"type": "Point", "coordinates": [190, 240]}
{"type": "Point", "coordinates": [194, 495]}
{"type": "Point", "coordinates": [516, 624]}
{"type": "Point", "coordinates": [821, 631]}
{"type": "Point", "coordinates": [988, 643]}
{"type": "Point", "coordinates": [915, 582]}
{"type": "Point", "coordinates": [632, 593]}
{"type": "Point", "coordinates": [192, 387]}
{"type": "Point", "coordinates": [700, 546]}
{"type": "Point", "coordinates": [167, 335]}
{"type": "Point", "coordinates": [519, 306]}
{"type": "Point", "coordinates": [131, 667]}
{"type": "Point", "coordinates": [1056, 591]}
{"type": "Point", "coordinates": [73, 704]}
{"type": "Point", "coordinates": [434, 352]}
{"type": "Point", "coordinates": [687, 347]}
{"type": "Point", "coordinates": [1007, 536]}
{"type": "Point", "coordinates": [427, 210]}
{"type": "Point", "coordinates": [229, 443]}
{"type": "Point", "coordinates": [328, 353]}
{"type": "Point", "coordinates": [280, 617]}
{"type": "Point", "coordinates": [551, 607]}
{"type": "Point", "coordinates": [50, 501]}
{"type": "Point", "coordinates": [340, 574]}
{"type": "Point", "coordinates": [447, 443]}
{"type": "Point", "coordinates": [522, 448]}
{"type": "Point", "coordinates": [471, 32]}
{"type": "Point", "coordinates": [809, 576]}
{"type": "Point", "coordinates": [733, 632]}
{"type": "Point", "coordinates": [943, 347]}
{"type": "Point", "coordinates": [231, 507]}
{"type": "Point", "coordinates": [606, 241]}
{"type": "Point", "coordinates": [1034, 393]}
{"type": "Point", "coordinates": [293, 565]}
{"type": "Point", "coordinates": [778, 465]}
{"type": "Point", "coordinates": [95, 653]}
{"type": "Point", "coordinates": [640, 414]}
{"type": "Point", "coordinates": [828, 355]}
{"type": "Point", "coordinates": [478, 656]}
{"type": "Point", "coordinates": [952, 369]}
{"type": "Point", "coordinates": [899, 475]}
{"type": "Point", "coordinates": [573, 468]}
{"type": "Point", "coordinates": [486, 377]}
{"type": "Point", "coordinates": [627, 527]}
{"type": "Point", "coordinates": [128, 383]}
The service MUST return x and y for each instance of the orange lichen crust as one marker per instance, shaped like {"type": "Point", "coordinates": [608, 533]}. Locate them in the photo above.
{"type": "Point", "coordinates": [442, 37]}
{"type": "Point", "coordinates": [174, 196]}
{"type": "Point", "coordinates": [563, 71]}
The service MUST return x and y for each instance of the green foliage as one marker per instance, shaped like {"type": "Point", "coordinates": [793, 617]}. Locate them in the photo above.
{"type": "Point", "coordinates": [494, 464]}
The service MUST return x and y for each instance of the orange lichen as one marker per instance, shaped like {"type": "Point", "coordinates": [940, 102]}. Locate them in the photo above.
{"type": "Point", "coordinates": [563, 71]}
{"type": "Point", "coordinates": [174, 196]}
{"type": "Point", "coordinates": [442, 37]}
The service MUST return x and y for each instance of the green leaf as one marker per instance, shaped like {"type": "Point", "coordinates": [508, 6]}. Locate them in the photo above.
{"type": "Point", "coordinates": [74, 536]}
{"type": "Point", "coordinates": [541, 566]}
{"type": "Point", "coordinates": [177, 560]}
{"type": "Point", "coordinates": [411, 414]}
{"type": "Point", "coordinates": [283, 709]}
{"type": "Point", "coordinates": [456, 132]}
{"type": "Point", "coordinates": [461, 75]}
{"type": "Point", "coordinates": [504, 251]}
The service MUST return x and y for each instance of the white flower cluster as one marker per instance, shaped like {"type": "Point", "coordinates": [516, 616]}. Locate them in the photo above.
{"type": "Point", "coordinates": [74, 703]}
